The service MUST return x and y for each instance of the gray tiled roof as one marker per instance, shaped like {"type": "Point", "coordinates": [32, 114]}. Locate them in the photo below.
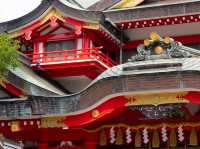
{"type": "Point", "coordinates": [103, 4]}
{"type": "Point", "coordinates": [174, 8]}
{"type": "Point", "coordinates": [183, 78]}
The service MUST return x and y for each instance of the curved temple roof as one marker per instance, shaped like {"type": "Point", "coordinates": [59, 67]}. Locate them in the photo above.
{"type": "Point", "coordinates": [119, 15]}
{"type": "Point", "coordinates": [174, 69]}
{"type": "Point", "coordinates": [176, 78]}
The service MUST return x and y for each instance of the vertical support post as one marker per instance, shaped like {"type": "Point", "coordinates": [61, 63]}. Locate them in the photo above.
{"type": "Point", "coordinates": [38, 48]}
{"type": "Point", "coordinates": [90, 145]}
{"type": "Point", "coordinates": [35, 53]}
{"type": "Point", "coordinates": [86, 41]}
{"type": "Point", "coordinates": [121, 52]}
{"type": "Point", "coordinates": [43, 139]}
{"type": "Point", "coordinates": [43, 145]}
{"type": "Point", "coordinates": [41, 50]}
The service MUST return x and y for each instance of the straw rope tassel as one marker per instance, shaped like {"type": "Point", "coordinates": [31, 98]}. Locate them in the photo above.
{"type": "Point", "coordinates": [138, 139]}
{"type": "Point", "coordinates": [155, 139]}
{"type": "Point", "coordinates": [172, 138]}
{"type": "Point", "coordinates": [119, 138]}
{"type": "Point", "coordinates": [193, 137]}
{"type": "Point", "coordinates": [102, 138]}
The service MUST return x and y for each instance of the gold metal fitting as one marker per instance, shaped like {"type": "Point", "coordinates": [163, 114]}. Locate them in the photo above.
{"type": "Point", "coordinates": [147, 42]}
{"type": "Point", "coordinates": [154, 36]}
{"type": "Point", "coordinates": [95, 113]}
{"type": "Point", "coordinates": [167, 40]}
{"type": "Point", "coordinates": [15, 126]}
{"type": "Point", "coordinates": [158, 50]}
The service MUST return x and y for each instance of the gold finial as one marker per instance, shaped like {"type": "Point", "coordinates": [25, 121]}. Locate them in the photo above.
{"type": "Point", "coordinates": [154, 36]}
{"type": "Point", "coordinates": [167, 40]}
{"type": "Point", "coordinates": [147, 42]}
{"type": "Point", "coordinates": [15, 126]}
{"type": "Point", "coordinates": [95, 113]}
{"type": "Point", "coordinates": [158, 50]}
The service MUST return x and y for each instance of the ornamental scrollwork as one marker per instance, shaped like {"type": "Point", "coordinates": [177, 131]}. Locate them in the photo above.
{"type": "Point", "coordinates": [159, 48]}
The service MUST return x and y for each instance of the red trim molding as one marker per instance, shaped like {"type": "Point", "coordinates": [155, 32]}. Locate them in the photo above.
{"type": "Point", "coordinates": [108, 109]}
{"type": "Point", "coordinates": [193, 97]}
{"type": "Point", "coordinates": [160, 21]}
{"type": "Point", "coordinates": [12, 89]}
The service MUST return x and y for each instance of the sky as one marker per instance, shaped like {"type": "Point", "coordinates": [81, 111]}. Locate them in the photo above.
{"type": "Point", "coordinates": [86, 3]}
{"type": "Point", "coordinates": [12, 9]}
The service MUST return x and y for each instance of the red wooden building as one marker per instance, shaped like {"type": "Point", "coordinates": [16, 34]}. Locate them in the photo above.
{"type": "Point", "coordinates": [119, 74]}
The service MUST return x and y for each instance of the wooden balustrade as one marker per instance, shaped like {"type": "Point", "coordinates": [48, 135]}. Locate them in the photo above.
{"type": "Point", "coordinates": [74, 147]}
{"type": "Point", "coordinates": [71, 55]}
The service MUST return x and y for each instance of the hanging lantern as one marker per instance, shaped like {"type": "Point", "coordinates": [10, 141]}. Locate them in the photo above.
{"type": "Point", "coordinates": [145, 136]}
{"type": "Point", "coordinates": [128, 136]}
{"type": "Point", "coordinates": [112, 135]}
{"type": "Point", "coordinates": [164, 134]}
{"type": "Point", "coordinates": [180, 134]}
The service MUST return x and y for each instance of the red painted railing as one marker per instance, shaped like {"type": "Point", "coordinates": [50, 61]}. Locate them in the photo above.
{"type": "Point", "coordinates": [71, 56]}
{"type": "Point", "coordinates": [66, 147]}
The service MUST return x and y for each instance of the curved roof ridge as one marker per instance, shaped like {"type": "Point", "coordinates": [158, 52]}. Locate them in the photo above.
{"type": "Point", "coordinates": [65, 7]}
{"type": "Point", "coordinates": [70, 4]}
{"type": "Point", "coordinates": [27, 18]}
{"type": "Point", "coordinates": [116, 16]}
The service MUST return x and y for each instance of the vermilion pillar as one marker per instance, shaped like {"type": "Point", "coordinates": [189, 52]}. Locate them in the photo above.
{"type": "Point", "coordinates": [43, 145]}
{"type": "Point", "coordinates": [90, 145]}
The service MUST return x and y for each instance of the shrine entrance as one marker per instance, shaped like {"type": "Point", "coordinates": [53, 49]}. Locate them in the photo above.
{"type": "Point", "coordinates": [147, 127]}
{"type": "Point", "coordinates": [115, 147]}
{"type": "Point", "coordinates": [132, 147]}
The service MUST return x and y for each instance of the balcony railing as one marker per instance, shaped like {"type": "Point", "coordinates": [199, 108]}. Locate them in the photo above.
{"type": "Point", "coordinates": [74, 147]}
{"type": "Point", "coordinates": [81, 55]}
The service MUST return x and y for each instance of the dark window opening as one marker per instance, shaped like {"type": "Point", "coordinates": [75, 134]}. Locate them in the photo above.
{"type": "Point", "coordinates": [60, 45]}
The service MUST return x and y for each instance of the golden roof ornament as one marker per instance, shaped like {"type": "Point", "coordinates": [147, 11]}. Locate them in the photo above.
{"type": "Point", "coordinates": [167, 40]}
{"type": "Point", "coordinates": [154, 36]}
{"type": "Point", "coordinates": [158, 50]}
{"type": "Point", "coordinates": [157, 47]}
{"type": "Point", "coordinates": [147, 42]}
